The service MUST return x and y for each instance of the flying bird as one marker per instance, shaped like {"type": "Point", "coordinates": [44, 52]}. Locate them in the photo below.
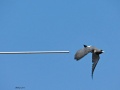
{"type": "Point", "coordinates": [95, 55]}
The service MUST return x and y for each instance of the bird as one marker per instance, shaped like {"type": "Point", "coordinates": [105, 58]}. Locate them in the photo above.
{"type": "Point", "coordinates": [89, 49]}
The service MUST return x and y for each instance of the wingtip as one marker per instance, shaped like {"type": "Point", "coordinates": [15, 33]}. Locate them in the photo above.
{"type": "Point", "coordinates": [92, 76]}
{"type": "Point", "coordinates": [85, 45]}
{"type": "Point", "coordinates": [76, 59]}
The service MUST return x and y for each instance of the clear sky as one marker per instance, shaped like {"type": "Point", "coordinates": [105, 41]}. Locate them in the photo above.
{"type": "Point", "coordinates": [33, 25]}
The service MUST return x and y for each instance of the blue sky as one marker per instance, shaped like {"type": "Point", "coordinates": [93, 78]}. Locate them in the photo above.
{"type": "Point", "coordinates": [30, 25]}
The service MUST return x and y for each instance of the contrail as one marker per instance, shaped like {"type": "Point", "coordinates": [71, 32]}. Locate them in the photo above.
{"type": "Point", "coordinates": [35, 52]}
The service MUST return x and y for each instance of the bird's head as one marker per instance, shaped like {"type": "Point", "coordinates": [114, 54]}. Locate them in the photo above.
{"type": "Point", "coordinates": [98, 51]}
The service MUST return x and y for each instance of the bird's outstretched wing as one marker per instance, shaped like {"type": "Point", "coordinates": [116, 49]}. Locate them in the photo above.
{"type": "Point", "coordinates": [82, 52]}
{"type": "Point", "coordinates": [95, 59]}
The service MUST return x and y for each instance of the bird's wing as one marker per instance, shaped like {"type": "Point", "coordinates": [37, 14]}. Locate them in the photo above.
{"type": "Point", "coordinates": [82, 52]}
{"type": "Point", "coordinates": [95, 59]}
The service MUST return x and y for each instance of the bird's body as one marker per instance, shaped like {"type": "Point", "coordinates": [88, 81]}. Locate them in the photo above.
{"type": "Point", "coordinates": [95, 55]}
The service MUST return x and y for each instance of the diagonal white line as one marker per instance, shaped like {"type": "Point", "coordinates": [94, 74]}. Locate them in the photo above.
{"type": "Point", "coordinates": [34, 52]}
